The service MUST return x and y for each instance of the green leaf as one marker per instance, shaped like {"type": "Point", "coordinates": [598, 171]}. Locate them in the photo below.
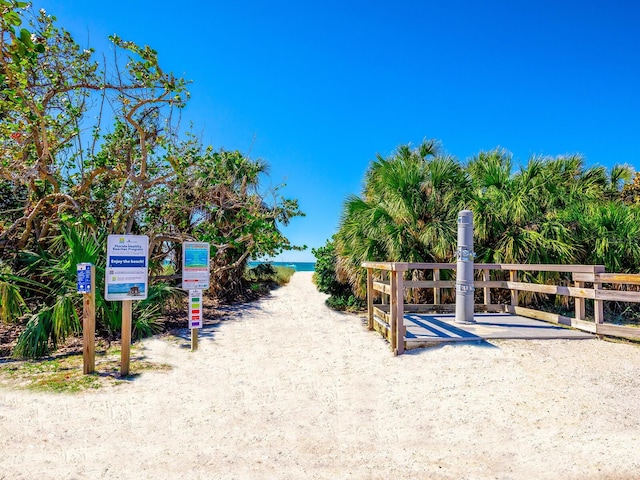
{"type": "Point", "coordinates": [12, 18]}
{"type": "Point", "coordinates": [25, 37]}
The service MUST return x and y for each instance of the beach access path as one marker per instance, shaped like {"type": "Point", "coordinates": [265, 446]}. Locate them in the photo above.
{"type": "Point", "coordinates": [285, 388]}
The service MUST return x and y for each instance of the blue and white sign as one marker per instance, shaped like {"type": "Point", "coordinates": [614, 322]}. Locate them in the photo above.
{"type": "Point", "coordinates": [84, 277]}
{"type": "Point", "coordinates": [126, 275]}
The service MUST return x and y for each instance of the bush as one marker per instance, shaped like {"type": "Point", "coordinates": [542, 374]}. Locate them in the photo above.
{"type": "Point", "coordinates": [263, 272]}
{"type": "Point", "coordinates": [263, 277]}
{"type": "Point", "coordinates": [350, 303]}
{"type": "Point", "coordinates": [341, 296]}
{"type": "Point", "coordinates": [284, 274]}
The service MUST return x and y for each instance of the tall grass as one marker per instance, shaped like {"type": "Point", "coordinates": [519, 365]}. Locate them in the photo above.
{"type": "Point", "coordinates": [266, 272]}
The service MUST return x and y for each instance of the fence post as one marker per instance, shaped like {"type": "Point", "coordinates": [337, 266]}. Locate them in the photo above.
{"type": "Point", "coordinates": [370, 298]}
{"type": "Point", "coordinates": [436, 290]}
{"type": "Point", "coordinates": [581, 311]}
{"type": "Point", "coordinates": [486, 276]}
{"type": "Point", "coordinates": [393, 310]}
{"type": "Point", "coordinates": [399, 350]}
{"type": "Point", "coordinates": [513, 277]}
{"type": "Point", "coordinates": [384, 277]}
{"type": "Point", "coordinates": [598, 304]}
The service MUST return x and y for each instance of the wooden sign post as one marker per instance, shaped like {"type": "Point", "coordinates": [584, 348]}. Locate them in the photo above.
{"type": "Point", "coordinates": [125, 339]}
{"type": "Point", "coordinates": [87, 286]}
{"type": "Point", "coordinates": [126, 279]}
{"type": "Point", "coordinates": [194, 339]}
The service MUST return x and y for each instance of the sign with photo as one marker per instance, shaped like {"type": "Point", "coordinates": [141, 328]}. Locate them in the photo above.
{"type": "Point", "coordinates": [195, 265]}
{"type": "Point", "coordinates": [126, 274]}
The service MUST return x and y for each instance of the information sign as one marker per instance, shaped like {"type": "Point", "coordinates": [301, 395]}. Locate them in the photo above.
{"type": "Point", "coordinates": [195, 308]}
{"type": "Point", "coordinates": [195, 265]}
{"type": "Point", "coordinates": [84, 277]}
{"type": "Point", "coordinates": [126, 275]}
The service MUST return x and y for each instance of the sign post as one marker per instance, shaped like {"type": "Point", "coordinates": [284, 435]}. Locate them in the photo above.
{"type": "Point", "coordinates": [195, 279]}
{"type": "Point", "coordinates": [87, 286]}
{"type": "Point", "coordinates": [125, 338]}
{"type": "Point", "coordinates": [195, 316]}
{"type": "Point", "coordinates": [126, 279]}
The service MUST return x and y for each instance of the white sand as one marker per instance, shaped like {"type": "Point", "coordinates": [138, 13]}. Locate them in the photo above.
{"type": "Point", "coordinates": [288, 389]}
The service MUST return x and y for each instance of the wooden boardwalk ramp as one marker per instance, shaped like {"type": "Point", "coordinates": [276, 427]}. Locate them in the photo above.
{"type": "Point", "coordinates": [423, 329]}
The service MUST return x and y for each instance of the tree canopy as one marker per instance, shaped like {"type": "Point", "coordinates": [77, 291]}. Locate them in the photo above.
{"type": "Point", "coordinates": [550, 210]}
{"type": "Point", "coordinates": [92, 145]}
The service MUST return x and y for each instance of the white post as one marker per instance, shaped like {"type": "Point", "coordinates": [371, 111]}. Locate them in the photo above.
{"type": "Point", "coordinates": [464, 275]}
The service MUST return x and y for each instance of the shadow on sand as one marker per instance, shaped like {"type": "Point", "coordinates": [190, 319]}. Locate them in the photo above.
{"type": "Point", "coordinates": [478, 343]}
{"type": "Point", "coordinates": [223, 314]}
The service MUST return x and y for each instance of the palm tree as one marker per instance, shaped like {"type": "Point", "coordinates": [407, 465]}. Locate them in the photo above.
{"type": "Point", "coordinates": [551, 210]}
{"type": "Point", "coordinates": [517, 218]}
{"type": "Point", "coordinates": [610, 235]}
{"type": "Point", "coordinates": [52, 279]}
{"type": "Point", "coordinates": [407, 211]}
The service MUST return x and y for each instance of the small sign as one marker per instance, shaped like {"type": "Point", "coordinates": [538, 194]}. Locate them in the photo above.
{"type": "Point", "coordinates": [126, 275]}
{"type": "Point", "coordinates": [195, 265]}
{"type": "Point", "coordinates": [195, 308]}
{"type": "Point", "coordinates": [84, 277]}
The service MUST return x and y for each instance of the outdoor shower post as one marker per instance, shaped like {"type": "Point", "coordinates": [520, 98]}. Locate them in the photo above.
{"type": "Point", "coordinates": [464, 272]}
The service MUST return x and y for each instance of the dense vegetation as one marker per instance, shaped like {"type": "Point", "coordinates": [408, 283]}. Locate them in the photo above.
{"type": "Point", "coordinates": [341, 296]}
{"type": "Point", "coordinates": [92, 147]}
{"type": "Point", "coordinates": [551, 210]}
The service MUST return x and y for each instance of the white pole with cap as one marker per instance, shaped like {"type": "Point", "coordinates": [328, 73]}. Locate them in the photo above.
{"type": "Point", "coordinates": [464, 272]}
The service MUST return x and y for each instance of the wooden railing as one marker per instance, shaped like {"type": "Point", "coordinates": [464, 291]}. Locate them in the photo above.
{"type": "Point", "coordinates": [587, 283]}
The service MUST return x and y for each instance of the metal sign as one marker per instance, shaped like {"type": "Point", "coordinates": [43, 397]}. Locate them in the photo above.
{"type": "Point", "coordinates": [126, 276]}
{"type": "Point", "coordinates": [84, 277]}
{"type": "Point", "coordinates": [195, 265]}
{"type": "Point", "coordinates": [195, 308]}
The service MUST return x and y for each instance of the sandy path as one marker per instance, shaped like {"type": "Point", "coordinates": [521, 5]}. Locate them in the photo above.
{"type": "Point", "coordinates": [288, 389]}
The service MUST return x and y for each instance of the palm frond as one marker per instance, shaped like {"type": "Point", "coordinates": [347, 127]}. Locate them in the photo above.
{"type": "Point", "coordinates": [34, 341]}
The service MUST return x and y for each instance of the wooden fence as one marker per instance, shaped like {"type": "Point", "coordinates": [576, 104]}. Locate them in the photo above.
{"type": "Point", "coordinates": [387, 281]}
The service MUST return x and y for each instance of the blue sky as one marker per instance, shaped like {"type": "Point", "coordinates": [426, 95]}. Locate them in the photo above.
{"type": "Point", "coordinates": [317, 89]}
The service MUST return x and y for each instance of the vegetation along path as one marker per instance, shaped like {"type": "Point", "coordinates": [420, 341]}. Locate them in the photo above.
{"type": "Point", "coordinates": [286, 388]}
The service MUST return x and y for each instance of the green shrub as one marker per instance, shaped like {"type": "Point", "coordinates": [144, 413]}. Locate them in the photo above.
{"type": "Point", "coordinates": [283, 275]}
{"type": "Point", "coordinates": [350, 303]}
{"type": "Point", "coordinates": [58, 304]}
{"type": "Point", "coordinates": [341, 296]}
{"type": "Point", "coordinates": [263, 272]}
{"type": "Point", "coordinates": [267, 273]}
{"type": "Point", "coordinates": [12, 304]}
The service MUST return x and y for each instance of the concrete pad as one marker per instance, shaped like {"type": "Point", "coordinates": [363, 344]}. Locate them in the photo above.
{"type": "Point", "coordinates": [436, 328]}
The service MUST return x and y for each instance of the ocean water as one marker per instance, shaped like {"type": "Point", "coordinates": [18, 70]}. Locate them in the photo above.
{"type": "Point", "coordinates": [299, 266]}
